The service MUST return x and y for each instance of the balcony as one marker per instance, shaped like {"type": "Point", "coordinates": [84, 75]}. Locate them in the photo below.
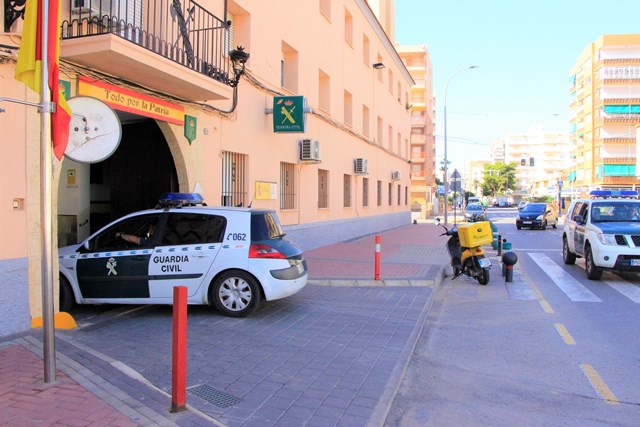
{"type": "Point", "coordinates": [177, 48]}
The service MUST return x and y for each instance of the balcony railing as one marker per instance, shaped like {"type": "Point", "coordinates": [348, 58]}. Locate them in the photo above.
{"type": "Point", "coordinates": [181, 31]}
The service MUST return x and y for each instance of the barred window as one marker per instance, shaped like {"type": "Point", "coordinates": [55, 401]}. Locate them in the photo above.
{"type": "Point", "coordinates": [347, 191]}
{"type": "Point", "coordinates": [234, 187]}
{"type": "Point", "coordinates": [365, 192]}
{"type": "Point", "coordinates": [323, 188]}
{"type": "Point", "coordinates": [287, 186]}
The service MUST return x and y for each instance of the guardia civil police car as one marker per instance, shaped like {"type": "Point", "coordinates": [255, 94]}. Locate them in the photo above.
{"type": "Point", "coordinates": [605, 230]}
{"type": "Point", "coordinates": [227, 257]}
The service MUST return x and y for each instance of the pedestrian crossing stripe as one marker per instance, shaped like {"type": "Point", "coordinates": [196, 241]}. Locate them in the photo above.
{"type": "Point", "coordinates": [575, 290]}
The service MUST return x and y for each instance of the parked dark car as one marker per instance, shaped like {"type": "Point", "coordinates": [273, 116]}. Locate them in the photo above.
{"type": "Point", "coordinates": [537, 215]}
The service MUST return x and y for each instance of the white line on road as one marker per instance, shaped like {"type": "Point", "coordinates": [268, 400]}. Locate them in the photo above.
{"type": "Point", "coordinates": [626, 288]}
{"type": "Point", "coordinates": [563, 280]}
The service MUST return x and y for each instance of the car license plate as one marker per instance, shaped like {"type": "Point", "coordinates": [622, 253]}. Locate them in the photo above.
{"type": "Point", "coordinates": [635, 262]}
{"type": "Point", "coordinates": [526, 222]}
{"type": "Point", "coordinates": [484, 262]}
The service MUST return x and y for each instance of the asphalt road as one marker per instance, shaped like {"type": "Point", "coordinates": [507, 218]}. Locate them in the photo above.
{"type": "Point", "coordinates": [490, 357]}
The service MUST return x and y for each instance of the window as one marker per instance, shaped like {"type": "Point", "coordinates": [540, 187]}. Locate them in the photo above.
{"type": "Point", "coordinates": [390, 137]}
{"type": "Point", "coordinates": [379, 133]}
{"type": "Point", "coordinates": [287, 186]}
{"type": "Point", "coordinates": [289, 68]}
{"type": "Point", "coordinates": [229, 41]}
{"type": "Point", "coordinates": [390, 195]}
{"type": "Point", "coordinates": [399, 93]}
{"type": "Point", "coordinates": [190, 228]}
{"type": "Point", "coordinates": [365, 192]}
{"type": "Point", "coordinates": [347, 191]}
{"type": "Point", "coordinates": [324, 89]}
{"type": "Point", "coordinates": [366, 56]}
{"type": "Point", "coordinates": [406, 196]}
{"type": "Point", "coordinates": [233, 179]}
{"type": "Point", "coordinates": [348, 28]}
{"type": "Point", "coordinates": [348, 108]}
{"type": "Point", "coordinates": [390, 82]}
{"type": "Point", "coordinates": [323, 188]}
{"type": "Point", "coordinates": [325, 8]}
{"type": "Point", "coordinates": [399, 194]}
{"type": "Point", "coordinates": [365, 121]}
{"type": "Point", "coordinates": [379, 193]}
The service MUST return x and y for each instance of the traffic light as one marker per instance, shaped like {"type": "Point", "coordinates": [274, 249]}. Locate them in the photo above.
{"type": "Point", "coordinates": [523, 162]}
{"type": "Point", "coordinates": [531, 162]}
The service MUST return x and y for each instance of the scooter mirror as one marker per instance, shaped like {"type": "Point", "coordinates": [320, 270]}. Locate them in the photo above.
{"type": "Point", "coordinates": [437, 221]}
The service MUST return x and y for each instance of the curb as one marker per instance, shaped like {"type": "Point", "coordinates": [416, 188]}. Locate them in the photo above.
{"type": "Point", "coordinates": [381, 410]}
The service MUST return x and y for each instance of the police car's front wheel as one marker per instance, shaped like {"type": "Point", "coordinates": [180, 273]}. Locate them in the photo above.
{"type": "Point", "coordinates": [235, 293]}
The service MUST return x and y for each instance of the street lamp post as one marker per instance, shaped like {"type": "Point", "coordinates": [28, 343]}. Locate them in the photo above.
{"type": "Point", "coordinates": [446, 167]}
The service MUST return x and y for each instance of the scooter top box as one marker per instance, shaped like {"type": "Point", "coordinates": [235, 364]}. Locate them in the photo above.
{"type": "Point", "coordinates": [475, 234]}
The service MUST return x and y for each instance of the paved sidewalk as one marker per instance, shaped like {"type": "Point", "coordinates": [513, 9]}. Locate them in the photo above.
{"type": "Point", "coordinates": [333, 354]}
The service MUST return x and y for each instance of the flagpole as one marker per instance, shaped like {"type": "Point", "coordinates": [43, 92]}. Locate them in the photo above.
{"type": "Point", "coordinates": [46, 219]}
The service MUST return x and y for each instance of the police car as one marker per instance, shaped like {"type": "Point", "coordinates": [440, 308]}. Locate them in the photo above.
{"type": "Point", "coordinates": [605, 231]}
{"type": "Point", "coordinates": [227, 257]}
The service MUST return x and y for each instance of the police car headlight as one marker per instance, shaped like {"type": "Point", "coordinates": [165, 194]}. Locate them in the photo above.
{"type": "Point", "coordinates": [607, 239]}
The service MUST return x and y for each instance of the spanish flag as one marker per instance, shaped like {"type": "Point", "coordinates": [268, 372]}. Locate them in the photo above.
{"type": "Point", "coordinates": [29, 66]}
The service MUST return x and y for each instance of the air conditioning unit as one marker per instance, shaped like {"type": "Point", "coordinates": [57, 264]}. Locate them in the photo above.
{"type": "Point", "coordinates": [395, 176]}
{"type": "Point", "coordinates": [360, 165]}
{"type": "Point", "coordinates": [310, 150]}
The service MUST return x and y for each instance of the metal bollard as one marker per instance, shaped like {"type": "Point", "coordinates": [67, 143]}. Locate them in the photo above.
{"type": "Point", "coordinates": [509, 259]}
{"type": "Point", "coordinates": [499, 244]}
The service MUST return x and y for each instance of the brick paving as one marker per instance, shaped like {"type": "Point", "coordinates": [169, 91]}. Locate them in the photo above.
{"type": "Point", "coordinates": [327, 356]}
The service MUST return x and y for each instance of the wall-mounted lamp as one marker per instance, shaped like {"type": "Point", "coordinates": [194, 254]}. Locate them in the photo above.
{"type": "Point", "coordinates": [238, 59]}
{"type": "Point", "coordinates": [378, 65]}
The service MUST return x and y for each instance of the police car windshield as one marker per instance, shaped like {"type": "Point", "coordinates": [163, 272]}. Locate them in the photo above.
{"type": "Point", "coordinates": [615, 212]}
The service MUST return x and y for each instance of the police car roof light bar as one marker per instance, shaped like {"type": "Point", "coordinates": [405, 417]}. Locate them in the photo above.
{"type": "Point", "coordinates": [605, 194]}
{"type": "Point", "coordinates": [180, 199]}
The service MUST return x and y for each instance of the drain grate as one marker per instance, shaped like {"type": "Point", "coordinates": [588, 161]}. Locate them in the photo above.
{"type": "Point", "coordinates": [214, 396]}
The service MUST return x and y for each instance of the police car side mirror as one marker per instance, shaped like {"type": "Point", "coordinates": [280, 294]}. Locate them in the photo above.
{"type": "Point", "coordinates": [437, 221]}
{"type": "Point", "coordinates": [578, 218]}
{"type": "Point", "coordinates": [88, 245]}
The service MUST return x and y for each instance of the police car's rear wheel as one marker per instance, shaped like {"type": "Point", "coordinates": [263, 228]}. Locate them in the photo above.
{"type": "Point", "coordinates": [66, 300]}
{"type": "Point", "coordinates": [235, 293]}
{"type": "Point", "coordinates": [593, 272]}
{"type": "Point", "coordinates": [568, 256]}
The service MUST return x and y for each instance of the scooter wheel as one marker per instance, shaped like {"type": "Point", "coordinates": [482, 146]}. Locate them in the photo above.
{"type": "Point", "coordinates": [483, 278]}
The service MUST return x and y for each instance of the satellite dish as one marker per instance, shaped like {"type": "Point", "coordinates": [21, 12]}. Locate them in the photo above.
{"type": "Point", "coordinates": [94, 130]}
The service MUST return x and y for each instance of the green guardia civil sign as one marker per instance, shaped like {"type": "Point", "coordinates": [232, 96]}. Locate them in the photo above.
{"type": "Point", "coordinates": [288, 114]}
{"type": "Point", "coordinates": [190, 128]}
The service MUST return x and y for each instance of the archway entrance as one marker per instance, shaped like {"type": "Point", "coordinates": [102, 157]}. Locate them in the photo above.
{"type": "Point", "coordinates": [134, 177]}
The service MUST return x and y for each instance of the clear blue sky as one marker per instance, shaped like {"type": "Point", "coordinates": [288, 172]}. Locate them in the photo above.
{"type": "Point", "coordinates": [524, 50]}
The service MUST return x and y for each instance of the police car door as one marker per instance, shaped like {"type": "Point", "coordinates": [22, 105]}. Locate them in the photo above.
{"type": "Point", "coordinates": [189, 245]}
{"type": "Point", "coordinates": [114, 269]}
{"type": "Point", "coordinates": [579, 230]}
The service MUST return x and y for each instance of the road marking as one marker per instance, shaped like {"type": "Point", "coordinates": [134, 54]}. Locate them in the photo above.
{"type": "Point", "coordinates": [563, 280]}
{"type": "Point", "coordinates": [598, 384]}
{"type": "Point", "coordinates": [627, 289]}
{"type": "Point", "coordinates": [564, 333]}
{"type": "Point", "coordinates": [546, 307]}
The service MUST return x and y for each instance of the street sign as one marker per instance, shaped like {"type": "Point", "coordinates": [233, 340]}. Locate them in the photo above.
{"type": "Point", "coordinates": [559, 184]}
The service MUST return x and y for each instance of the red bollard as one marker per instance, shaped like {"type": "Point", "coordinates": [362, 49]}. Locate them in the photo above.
{"type": "Point", "coordinates": [179, 350]}
{"type": "Point", "coordinates": [377, 266]}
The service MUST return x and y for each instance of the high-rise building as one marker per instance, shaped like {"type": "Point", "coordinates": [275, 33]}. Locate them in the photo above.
{"type": "Point", "coordinates": [422, 107]}
{"type": "Point", "coordinates": [605, 106]}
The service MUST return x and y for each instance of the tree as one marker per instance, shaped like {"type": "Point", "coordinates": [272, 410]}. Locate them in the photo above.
{"type": "Point", "coordinates": [498, 178]}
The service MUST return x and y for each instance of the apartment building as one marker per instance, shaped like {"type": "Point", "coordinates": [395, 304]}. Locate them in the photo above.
{"type": "Point", "coordinates": [197, 113]}
{"type": "Point", "coordinates": [604, 102]}
{"type": "Point", "coordinates": [542, 160]}
{"type": "Point", "coordinates": [422, 142]}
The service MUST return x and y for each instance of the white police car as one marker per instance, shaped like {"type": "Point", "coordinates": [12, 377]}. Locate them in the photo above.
{"type": "Point", "coordinates": [227, 257]}
{"type": "Point", "coordinates": [605, 230]}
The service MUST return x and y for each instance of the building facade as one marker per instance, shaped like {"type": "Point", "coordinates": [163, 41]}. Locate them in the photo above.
{"type": "Point", "coordinates": [605, 114]}
{"type": "Point", "coordinates": [422, 142]}
{"type": "Point", "coordinates": [542, 160]}
{"type": "Point", "coordinates": [191, 121]}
